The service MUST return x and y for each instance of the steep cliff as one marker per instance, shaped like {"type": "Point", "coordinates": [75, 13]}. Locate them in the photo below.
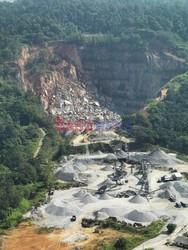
{"type": "Point", "coordinates": [129, 77]}
{"type": "Point", "coordinates": [84, 82]}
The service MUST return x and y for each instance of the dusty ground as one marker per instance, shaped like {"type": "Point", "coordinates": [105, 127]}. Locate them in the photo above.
{"type": "Point", "coordinates": [26, 238]}
{"type": "Point", "coordinates": [83, 139]}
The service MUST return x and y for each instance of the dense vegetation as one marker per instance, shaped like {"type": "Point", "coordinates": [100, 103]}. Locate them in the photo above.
{"type": "Point", "coordinates": [22, 176]}
{"type": "Point", "coordinates": [139, 23]}
{"type": "Point", "coordinates": [165, 123]}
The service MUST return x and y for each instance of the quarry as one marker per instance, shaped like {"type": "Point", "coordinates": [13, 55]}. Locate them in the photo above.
{"type": "Point", "coordinates": [121, 185]}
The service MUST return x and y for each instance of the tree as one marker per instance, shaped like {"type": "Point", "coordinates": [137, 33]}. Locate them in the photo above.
{"type": "Point", "coordinates": [120, 243]}
{"type": "Point", "coordinates": [171, 227]}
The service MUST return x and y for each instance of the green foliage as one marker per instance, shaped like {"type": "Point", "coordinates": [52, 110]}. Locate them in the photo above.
{"type": "Point", "coordinates": [171, 227]}
{"type": "Point", "coordinates": [67, 149]}
{"type": "Point", "coordinates": [22, 177]}
{"type": "Point", "coordinates": [137, 23]}
{"type": "Point", "coordinates": [139, 235]}
{"type": "Point", "coordinates": [103, 147]}
{"type": "Point", "coordinates": [120, 243]}
{"type": "Point", "coordinates": [166, 124]}
{"type": "Point", "coordinates": [185, 234]}
{"type": "Point", "coordinates": [45, 230]}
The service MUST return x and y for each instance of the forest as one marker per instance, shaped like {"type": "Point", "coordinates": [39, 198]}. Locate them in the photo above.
{"type": "Point", "coordinates": [22, 177]}
{"type": "Point", "coordinates": [28, 22]}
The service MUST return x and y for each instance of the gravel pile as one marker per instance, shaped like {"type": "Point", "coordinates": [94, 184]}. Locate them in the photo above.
{"type": "Point", "coordinates": [138, 199]}
{"type": "Point", "coordinates": [69, 172]}
{"type": "Point", "coordinates": [117, 212]}
{"type": "Point", "coordinates": [139, 216]}
{"type": "Point", "coordinates": [107, 168]}
{"type": "Point", "coordinates": [102, 216]}
{"type": "Point", "coordinates": [105, 197]}
{"type": "Point", "coordinates": [111, 157]}
{"type": "Point", "coordinates": [176, 189]}
{"type": "Point", "coordinates": [89, 176]}
{"type": "Point", "coordinates": [80, 194]}
{"type": "Point", "coordinates": [62, 208]}
{"type": "Point", "coordinates": [167, 194]}
{"type": "Point", "coordinates": [99, 152]}
{"type": "Point", "coordinates": [89, 199]}
{"type": "Point", "coordinates": [138, 156]}
{"type": "Point", "coordinates": [182, 188]}
{"type": "Point", "coordinates": [157, 157]}
{"type": "Point", "coordinates": [66, 176]}
{"type": "Point", "coordinates": [36, 214]}
{"type": "Point", "coordinates": [120, 154]}
{"type": "Point", "coordinates": [107, 182]}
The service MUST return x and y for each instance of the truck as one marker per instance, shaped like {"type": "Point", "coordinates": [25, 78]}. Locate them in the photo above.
{"type": "Point", "coordinates": [173, 177]}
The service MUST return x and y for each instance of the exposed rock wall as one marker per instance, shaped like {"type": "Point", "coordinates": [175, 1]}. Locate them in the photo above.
{"type": "Point", "coordinates": [128, 77]}
{"type": "Point", "coordinates": [87, 82]}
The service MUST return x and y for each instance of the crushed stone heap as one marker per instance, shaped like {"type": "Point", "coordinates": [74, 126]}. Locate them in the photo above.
{"type": "Point", "coordinates": [89, 199]}
{"type": "Point", "coordinates": [141, 216]}
{"type": "Point", "coordinates": [105, 197]}
{"type": "Point", "coordinates": [62, 208]}
{"type": "Point", "coordinates": [138, 199]}
{"type": "Point", "coordinates": [176, 189]}
{"type": "Point", "coordinates": [158, 158]}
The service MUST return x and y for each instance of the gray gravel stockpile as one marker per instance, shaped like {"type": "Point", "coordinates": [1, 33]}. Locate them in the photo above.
{"type": "Point", "coordinates": [175, 189]}
{"type": "Point", "coordinates": [111, 157]}
{"type": "Point", "coordinates": [138, 199]}
{"type": "Point", "coordinates": [120, 154]}
{"type": "Point", "coordinates": [69, 172]}
{"type": "Point", "coordinates": [89, 199]}
{"type": "Point", "coordinates": [80, 194]}
{"type": "Point", "coordinates": [105, 197]}
{"type": "Point", "coordinates": [117, 212]}
{"type": "Point", "coordinates": [66, 176]}
{"type": "Point", "coordinates": [157, 157]}
{"type": "Point", "coordinates": [107, 168]}
{"type": "Point", "coordinates": [62, 208]}
{"type": "Point", "coordinates": [107, 182]}
{"type": "Point", "coordinates": [139, 216]}
{"type": "Point", "coordinates": [88, 176]}
{"type": "Point", "coordinates": [102, 216]}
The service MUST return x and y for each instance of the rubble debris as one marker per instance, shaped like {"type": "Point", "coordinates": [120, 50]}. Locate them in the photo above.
{"type": "Point", "coordinates": [76, 237]}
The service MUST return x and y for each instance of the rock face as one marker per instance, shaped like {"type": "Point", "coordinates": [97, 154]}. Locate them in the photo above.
{"type": "Point", "coordinates": [129, 77]}
{"type": "Point", "coordinates": [83, 83]}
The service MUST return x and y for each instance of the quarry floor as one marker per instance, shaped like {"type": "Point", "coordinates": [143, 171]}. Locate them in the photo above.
{"type": "Point", "coordinates": [26, 237]}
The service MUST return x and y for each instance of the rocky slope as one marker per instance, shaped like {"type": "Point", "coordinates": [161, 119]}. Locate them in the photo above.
{"type": "Point", "coordinates": [84, 82]}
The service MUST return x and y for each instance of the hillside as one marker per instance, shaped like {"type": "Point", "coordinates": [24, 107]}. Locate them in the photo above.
{"type": "Point", "coordinates": [22, 176]}
{"type": "Point", "coordinates": [84, 60]}
{"type": "Point", "coordinates": [84, 21]}
{"type": "Point", "coordinates": [165, 122]}
{"type": "Point", "coordinates": [115, 54]}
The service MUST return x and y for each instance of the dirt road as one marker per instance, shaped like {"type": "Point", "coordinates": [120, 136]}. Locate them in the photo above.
{"type": "Point", "coordinates": [40, 142]}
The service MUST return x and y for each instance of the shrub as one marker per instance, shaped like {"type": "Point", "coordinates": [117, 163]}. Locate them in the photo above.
{"type": "Point", "coordinates": [171, 227]}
